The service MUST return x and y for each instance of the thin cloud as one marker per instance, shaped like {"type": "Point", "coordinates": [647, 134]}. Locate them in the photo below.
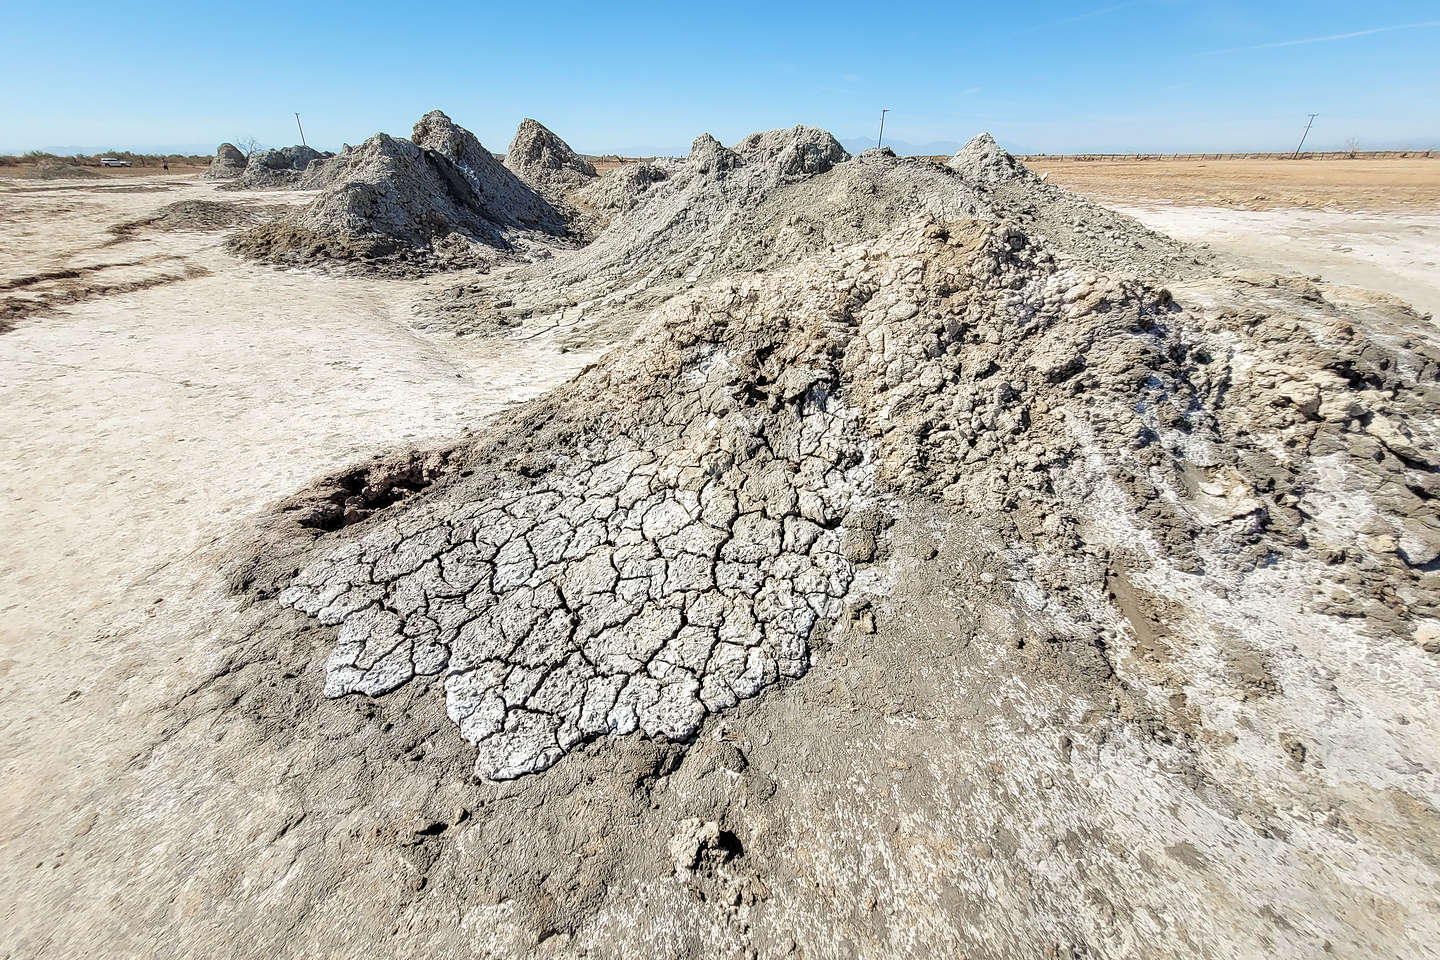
{"type": "Point", "coordinates": [1334, 36]}
{"type": "Point", "coordinates": [1087, 15]}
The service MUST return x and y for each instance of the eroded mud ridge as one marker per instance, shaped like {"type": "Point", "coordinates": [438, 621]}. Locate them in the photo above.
{"type": "Point", "coordinates": [38, 293]}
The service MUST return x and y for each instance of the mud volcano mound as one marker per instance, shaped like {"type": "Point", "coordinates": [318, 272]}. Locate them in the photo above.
{"type": "Point", "coordinates": [504, 197]}
{"type": "Point", "coordinates": [920, 532]}
{"type": "Point", "coordinates": [769, 201]}
{"type": "Point", "coordinates": [228, 164]}
{"type": "Point", "coordinates": [437, 200]}
{"type": "Point", "coordinates": [718, 488]}
{"type": "Point", "coordinates": [278, 169]}
{"type": "Point", "coordinates": [984, 161]}
{"type": "Point", "coordinates": [546, 162]}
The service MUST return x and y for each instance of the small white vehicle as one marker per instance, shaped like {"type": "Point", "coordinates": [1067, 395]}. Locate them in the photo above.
{"type": "Point", "coordinates": [113, 162]}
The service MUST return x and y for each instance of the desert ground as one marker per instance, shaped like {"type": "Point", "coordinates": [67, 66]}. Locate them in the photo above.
{"type": "Point", "coordinates": [26, 171]}
{"type": "Point", "coordinates": [1388, 184]}
{"type": "Point", "coordinates": [1370, 223]}
{"type": "Point", "coordinates": [179, 784]}
{"type": "Point", "coordinates": [149, 419]}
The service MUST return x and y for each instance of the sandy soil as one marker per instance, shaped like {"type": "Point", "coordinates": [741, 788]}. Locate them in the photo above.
{"type": "Point", "coordinates": [1410, 184]}
{"type": "Point", "coordinates": [26, 170]}
{"type": "Point", "coordinates": [1394, 253]}
{"type": "Point", "coordinates": [1372, 223]}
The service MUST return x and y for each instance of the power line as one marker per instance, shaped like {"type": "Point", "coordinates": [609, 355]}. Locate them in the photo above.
{"type": "Point", "coordinates": [1296, 154]}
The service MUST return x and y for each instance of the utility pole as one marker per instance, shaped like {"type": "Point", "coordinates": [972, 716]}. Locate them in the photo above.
{"type": "Point", "coordinates": [882, 127]}
{"type": "Point", "coordinates": [302, 131]}
{"type": "Point", "coordinates": [1296, 154]}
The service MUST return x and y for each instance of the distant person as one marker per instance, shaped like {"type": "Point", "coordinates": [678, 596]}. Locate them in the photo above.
{"type": "Point", "coordinates": [165, 165]}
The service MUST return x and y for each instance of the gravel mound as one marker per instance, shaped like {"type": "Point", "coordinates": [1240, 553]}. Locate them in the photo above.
{"type": "Point", "coordinates": [228, 164]}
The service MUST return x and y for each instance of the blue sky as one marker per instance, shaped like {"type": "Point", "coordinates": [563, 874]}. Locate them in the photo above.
{"type": "Point", "coordinates": [1128, 75]}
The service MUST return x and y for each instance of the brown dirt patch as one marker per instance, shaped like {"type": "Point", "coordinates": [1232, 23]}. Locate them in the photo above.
{"type": "Point", "coordinates": [1372, 184]}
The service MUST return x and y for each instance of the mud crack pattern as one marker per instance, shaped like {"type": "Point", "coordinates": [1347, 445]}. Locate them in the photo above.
{"type": "Point", "coordinates": [637, 592]}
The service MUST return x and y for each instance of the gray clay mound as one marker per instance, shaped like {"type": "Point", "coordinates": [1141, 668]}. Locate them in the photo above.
{"type": "Point", "coordinates": [280, 169]}
{"type": "Point", "coordinates": [228, 163]}
{"type": "Point", "coordinates": [621, 188]}
{"type": "Point", "coordinates": [772, 200]}
{"type": "Point", "coordinates": [984, 161]}
{"type": "Point", "coordinates": [323, 170]}
{"type": "Point", "coordinates": [676, 220]}
{"type": "Point", "coordinates": [388, 199]}
{"type": "Point", "coordinates": [703, 501]}
{"type": "Point", "coordinates": [789, 154]}
{"type": "Point", "coordinates": [503, 197]}
{"type": "Point", "coordinates": [438, 201]}
{"type": "Point", "coordinates": [546, 162]}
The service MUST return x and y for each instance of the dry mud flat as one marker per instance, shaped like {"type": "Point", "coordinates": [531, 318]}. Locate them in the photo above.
{"type": "Point", "coordinates": [943, 564]}
{"type": "Point", "coordinates": [1391, 185]}
{"type": "Point", "coordinates": [1366, 223]}
{"type": "Point", "coordinates": [1396, 252]}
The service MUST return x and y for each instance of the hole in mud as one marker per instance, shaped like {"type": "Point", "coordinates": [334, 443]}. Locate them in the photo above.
{"type": "Point", "coordinates": [729, 846]}
{"type": "Point", "coordinates": [357, 494]}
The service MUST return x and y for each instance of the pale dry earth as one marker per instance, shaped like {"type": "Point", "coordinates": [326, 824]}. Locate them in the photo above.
{"type": "Point", "coordinates": [1368, 223]}
{"type": "Point", "coordinates": [1394, 252]}
{"type": "Point", "coordinates": [1404, 184]}
{"type": "Point", "coordinates": [170, 394]}
{"type": "Point", "coordinates": [144, 428]}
